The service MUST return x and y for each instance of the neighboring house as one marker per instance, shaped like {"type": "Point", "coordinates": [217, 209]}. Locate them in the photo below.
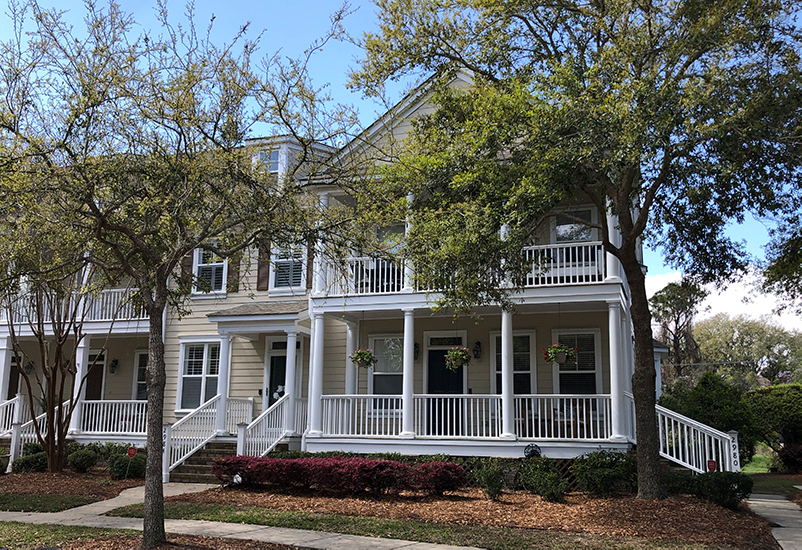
{"type": "Point", "coordinates": [271, 334]}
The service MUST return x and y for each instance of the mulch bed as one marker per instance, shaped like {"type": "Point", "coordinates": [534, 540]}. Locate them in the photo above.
{"type": "Point", "coordinates": [680, 517]}
{"type": "Point", "coordinates": [95, 483]}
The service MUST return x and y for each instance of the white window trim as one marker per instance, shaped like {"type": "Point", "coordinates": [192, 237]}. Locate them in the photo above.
{"type": "Point", "coordinates": [594, 219]}
{"type": "Point", "coordinates": [372, 345]}
{"type": "Point", "coordinates": [289, 290]}
{"type": "Point", "coordinates": [555, 335]}
{"type": "Point", "coordinates": [197, 293]}
{"type": "Point", "coordinates": [427, 336]}
{"type": "Point", "coordinates": [532, 358]}
{"type": "Point", "coordinates": [137, 354]}
{"type": "Point", "coordinates": [194, 340]}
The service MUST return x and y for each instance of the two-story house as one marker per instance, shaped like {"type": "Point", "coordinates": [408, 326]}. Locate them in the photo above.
{"type": "Point", "coordinates": [266, 347]}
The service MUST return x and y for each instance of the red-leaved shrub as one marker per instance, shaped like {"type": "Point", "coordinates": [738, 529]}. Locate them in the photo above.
{"type": "Point", "coordinates": [341, 474]}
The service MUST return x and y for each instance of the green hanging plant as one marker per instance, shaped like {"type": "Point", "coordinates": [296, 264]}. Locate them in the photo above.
{"type": "Point", "coordinates": [457, 357]}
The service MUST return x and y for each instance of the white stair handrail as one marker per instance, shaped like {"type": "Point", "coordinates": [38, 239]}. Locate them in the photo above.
{"type": "Point", "coordinates": [263, 434]}
{"type": "Point", "coordinates": [188, 435]}
{"type": "Point", "coordinates": [9, 413]}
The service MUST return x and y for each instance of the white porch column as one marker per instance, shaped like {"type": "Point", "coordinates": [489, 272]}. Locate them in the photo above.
{"type": "Point", "coordinates": [289, 382]}
{"type": "Point", "coordinates": [618, 368]}
{"type": "Point", "coordinates": [79, 389]}
{"type": "Point", "coordinates": [6, 351]}
{"type": "Point", "coordinates": [222, 384]}
{"type": "Point", "coordinates": [613, 266]}
{"type": "Point", "coordinates": [320, 283]}
{"type": "Point", "coordinates": [409, 274]}
{"type": "Point", "coordinates": [507, 397]}
{"type": "Point", "coordinates": [316, 378]}
{"type": "Point", "coordinates": [351, 374]}
{"type": "Point", "coordinates": [408, 388]}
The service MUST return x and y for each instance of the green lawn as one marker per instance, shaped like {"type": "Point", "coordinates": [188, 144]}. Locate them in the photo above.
{"type": "Point", "coordinates": [41, 503]}
{"type": "Point", "coordinates": [779, 484]}
{"type": "Point", "coordinates": [22, 536]}
{"type": "Point", "coordinates": [758, 465]}
{"type": "Point", "coordinates": [493, 538]}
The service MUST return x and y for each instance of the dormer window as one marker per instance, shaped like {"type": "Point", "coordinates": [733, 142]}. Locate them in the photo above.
{"type": "Point", "coordinates": [270, 160]}
{"type": "Point", "coordinates": [210, 272]}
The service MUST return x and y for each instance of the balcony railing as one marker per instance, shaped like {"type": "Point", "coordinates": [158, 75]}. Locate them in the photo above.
{"type": "Point", "coordinates": [114, 417]}
{"type": "Point", "coordinates": [550, 265]}
{"type": "Point", "coordinates": [107, 305]}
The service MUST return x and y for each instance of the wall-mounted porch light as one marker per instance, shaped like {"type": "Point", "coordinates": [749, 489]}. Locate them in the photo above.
{"type": "Point", "coordinates": [416, 351]}
{"type": "Point", "coordinates": [29, 367]}
{"type": "Point", "coordinates": [113, 365]}
{"type": "Point", "coordinates": [477, 350]}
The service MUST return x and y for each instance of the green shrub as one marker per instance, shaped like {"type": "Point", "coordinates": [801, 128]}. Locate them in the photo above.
{"type": "Point", "coordinates": [122, 467]}
{"type": "Point", "coordinates": [777, 413]}
{"type": "Point", "coordinates": [791, 457]}
{"type": "Point", "coordinates": [726, 489]}
{"type": "Point", "coordinates": [539, 475]}
{"type": "Point", "coordinates": [490, 477]}
{"type": "Point", "coordinates": [32, 449]}
{"type": "Point", "coordinates": [36, 462]}
{"type": "Point", "coordinates": [605, 473]}
{"type": "Point", "coordinates": [720, 406]}
{"type": "Point", "coordinates": [81, 460]}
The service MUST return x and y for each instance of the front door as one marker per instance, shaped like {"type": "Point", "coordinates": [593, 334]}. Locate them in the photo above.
{"type": "Point", "coordinates": [276, 378]}
{"type": "Point", "coordinates": [94, 378]}
{"type": "Point", "coordinates": [13, 379]}
{"type": "Point", "coordinates": [444, 415]}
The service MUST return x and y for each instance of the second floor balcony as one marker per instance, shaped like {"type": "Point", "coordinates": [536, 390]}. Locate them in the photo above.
{"type": "Point", "coordinates": [560, 264]}
{"type": "Point", "coordinates": [107, 306]}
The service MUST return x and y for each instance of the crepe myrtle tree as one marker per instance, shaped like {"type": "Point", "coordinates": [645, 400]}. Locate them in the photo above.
{"type": "Point", "coordinates": [676, 117]}
{"type": "Point", "coordinates": [145, 137]}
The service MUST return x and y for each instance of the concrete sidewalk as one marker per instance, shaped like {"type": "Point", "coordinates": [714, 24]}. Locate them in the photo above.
{"type": "Point", "coordinates": [91, 515]}
{"type": "Point", "coordinates": [784, 515]}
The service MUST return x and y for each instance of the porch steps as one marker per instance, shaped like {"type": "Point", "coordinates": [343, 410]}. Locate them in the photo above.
{"type": "Point", "coordinates": [198, 467]}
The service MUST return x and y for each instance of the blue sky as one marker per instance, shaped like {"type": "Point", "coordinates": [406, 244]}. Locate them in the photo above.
{"type": "Point", "coordinates": [290, 27]}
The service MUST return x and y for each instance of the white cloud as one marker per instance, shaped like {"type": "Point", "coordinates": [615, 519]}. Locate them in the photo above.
{"type": "Point", "coordinates": [741, 298]}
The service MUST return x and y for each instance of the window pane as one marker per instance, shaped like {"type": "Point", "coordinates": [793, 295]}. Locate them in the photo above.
{"type": "Point", "coordinates": [581, 383]}
{"type": "Point", "coordinates": [445, 341]}
{"type": "Point", "coordinates": [214, 359]}
{"type": "Point", "coordinates": [387, 384]}
{"type": "Point", "coordinates": [211, 387]}
{"type": "Point", "coordinates": [390, 353]}
{"type": "Point", "coordinates": [193, 362]}
{"type": "Point", "coordinates": [585, 359]}
{"type": "Point", "coordinates": [571, 230]}
{"type": "Point", "coordinates": [190, 397]}
{"type": "Point", "coordinates": [521, 384]}
{"type": "Point", "coordinates": [141, 392]}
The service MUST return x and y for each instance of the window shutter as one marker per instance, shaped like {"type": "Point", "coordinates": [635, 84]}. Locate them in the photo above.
{"type": "Point", "coordinates": [232, 282]}
{"type": "Point", "coordinates": [263, 267]}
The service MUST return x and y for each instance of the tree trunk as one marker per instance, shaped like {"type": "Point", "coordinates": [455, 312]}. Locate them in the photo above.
{"type": "Point", "coordinates": [650, 483]}
{"type": "Point", "coordinates": [153, 526]}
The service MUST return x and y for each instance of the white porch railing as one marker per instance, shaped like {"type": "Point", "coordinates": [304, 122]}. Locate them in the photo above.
{"type": "Point", "coordinates": [565, 264]}
{"type": "Point", "coordinates": [107, 305]}
{"type": "Point", "coordinates": [361, 415]}
{"type": "Point", "coordinates": [574, 417]}
{"type": "Point", "coordinates": [691, 443]}
{"type": "Point", "coordinates": [8, 410]}
{"type": "Point", "coordinates": [188, 435]}
{"type": "Point", "coordinates": [263, 434]}
{"type": "Point", "coordinates": [365, 276]}
{"type": "Point", "coordinates": [238, 410]}
{"type": "Point", "coordinates": [300, 415]}
{"type": "Point", "coordinates": [114, 416]}
{"type": "Point", "coordinates": [462, 416]}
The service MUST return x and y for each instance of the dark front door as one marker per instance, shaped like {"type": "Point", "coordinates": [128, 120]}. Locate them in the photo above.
{"type": "Point", "coordinates": [94, 379]}
{"type": "Point", "coordinates": [13, 380]}
{"type": "Point", "coordinates": [278, 372]}
{"type": "Point", "coordinates": [444, 415]}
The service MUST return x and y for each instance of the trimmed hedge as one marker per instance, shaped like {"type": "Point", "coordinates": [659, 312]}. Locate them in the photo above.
{"type": "Point", "coordinates": [341, 474]}
{"type": "Point", "coordinates": [81, 460]}
{"type": "Point", "coordinates": [605, 473]}
{"type": "Point", "coordinates": [122, 467]}
{"type": "Point", "coordinates": [726, 489]}
{"type": "Point", "coordinates": [36, 462]}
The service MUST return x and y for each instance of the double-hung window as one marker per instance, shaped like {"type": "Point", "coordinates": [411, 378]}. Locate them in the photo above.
{"type": "Point", "coordinates": [270, 160]}
{"type": "Point", "coordinates": [523, 362]}
{"type": "Point", "coordinates": [580, 375]}
{"type": "Point", "coordinates": [199, 371]}
{"type": "Point", "coordinates": [574, 226]}
{"type": "Point", "coordinates": [288, 269]}
{"type": "Point", "coordinates": [210, 271]}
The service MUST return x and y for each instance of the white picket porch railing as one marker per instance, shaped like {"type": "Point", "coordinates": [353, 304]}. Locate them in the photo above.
{"type": "Point", "coordinates": [114, 417]}
{"type": "Point", "coordinates": [26, 433]}
{"type": "Point", "coordinates": [361, 415]}
{"type": "Point", "coordinates": [563, 417]}
{"type": "Point", "coordinates": [459, 416]}
{"type": "Point", "coordinates": [238, 410]}
{"type": "Point", "coordinates": [11, 411]}
{"type": "Point", "coordinates": [188, 435]}
{"type": "Point", "coordinates": [565, 264]}
{"type": "Point", "coordinates": [301, 412]}
{"type": "Point", "coordinates": [692, 444]}
{"type": "Point", "coordinates": [365, 276]}
{"type": "Point", "coordinates": [263, 434]}
{"type": "Point", "coordinates": [107, 305]}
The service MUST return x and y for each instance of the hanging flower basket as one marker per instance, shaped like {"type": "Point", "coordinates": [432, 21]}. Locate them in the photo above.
{"type": "Point", "coordinates": [559, 353]}
{"type": "Point", "coordinates": [363, 358]}
{"type": "Point", "coordinates": [457, 357]}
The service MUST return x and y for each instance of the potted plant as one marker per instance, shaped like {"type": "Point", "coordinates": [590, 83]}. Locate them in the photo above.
{"type": "Point", "coordinates": [559, 353]}
{"type": "Point", "coordinates": [363, 358]}
{"type": "Point", "coordinates": [456, 357]}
